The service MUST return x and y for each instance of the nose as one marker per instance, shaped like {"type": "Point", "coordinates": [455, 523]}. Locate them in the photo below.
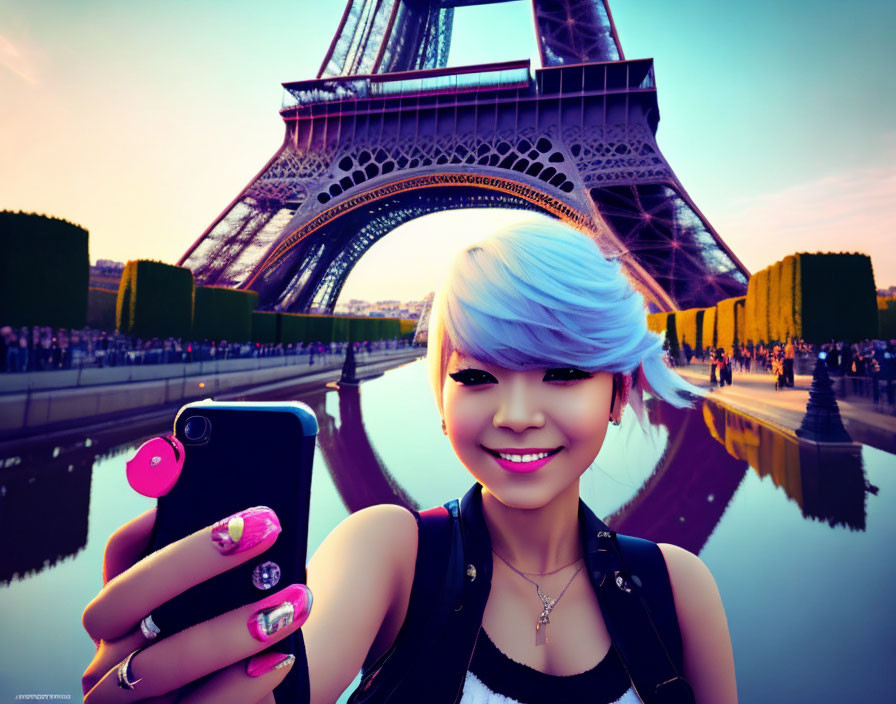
{"type": "Point", "coordinates": [518, 408]}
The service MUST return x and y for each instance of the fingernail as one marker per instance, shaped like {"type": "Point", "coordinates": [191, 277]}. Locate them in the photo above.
{"type": "Point", "coordinates": [279, 610]}
{"type": "Point", "coordinates": [268, 662]}
{"type": "Point", "coordinates": [244, 530]}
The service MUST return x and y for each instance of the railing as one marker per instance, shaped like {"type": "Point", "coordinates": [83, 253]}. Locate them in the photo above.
{"type": "Point", "coordinates": [407, 84]}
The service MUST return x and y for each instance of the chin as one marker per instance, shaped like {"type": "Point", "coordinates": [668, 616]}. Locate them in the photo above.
{"type": "Point", "coordinates": [524, 491]}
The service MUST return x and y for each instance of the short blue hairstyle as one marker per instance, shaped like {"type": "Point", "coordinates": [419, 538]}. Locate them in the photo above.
{"type": "Point", "coordinates": [541, 294]}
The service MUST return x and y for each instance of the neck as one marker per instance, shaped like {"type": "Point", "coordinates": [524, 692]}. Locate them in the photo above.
{"type": "Point", "coordinates": [535, 540]}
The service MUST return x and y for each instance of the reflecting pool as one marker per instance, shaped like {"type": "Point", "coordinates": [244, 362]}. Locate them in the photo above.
{"type": "Point", "coordinates": [799, 540]}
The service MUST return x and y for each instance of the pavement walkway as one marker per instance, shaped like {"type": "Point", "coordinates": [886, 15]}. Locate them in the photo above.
{"type": "Point", "coordinates": [754, 395]}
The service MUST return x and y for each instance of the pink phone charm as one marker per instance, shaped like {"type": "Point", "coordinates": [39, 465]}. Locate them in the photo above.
{"type": "Point", "coordinates": [155, 468]}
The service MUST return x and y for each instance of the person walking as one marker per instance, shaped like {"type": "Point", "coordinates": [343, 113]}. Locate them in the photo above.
{"type": "Point", "coordinates": [788, 363]}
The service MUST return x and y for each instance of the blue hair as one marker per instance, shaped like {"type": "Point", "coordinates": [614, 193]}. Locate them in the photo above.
{"type": "Point", "coordinates": [541, 294]}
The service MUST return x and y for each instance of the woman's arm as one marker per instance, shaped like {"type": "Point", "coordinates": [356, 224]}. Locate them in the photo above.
{"type": "Point", "coordinates": [708, 657]}
{"type": "Point", "coordinates": [360, 576]}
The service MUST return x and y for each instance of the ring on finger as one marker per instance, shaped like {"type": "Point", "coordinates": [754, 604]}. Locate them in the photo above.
{"type": "Point", "coordinates": [124, 672]}
{"type": "Point", "coordinates": [149, 628]}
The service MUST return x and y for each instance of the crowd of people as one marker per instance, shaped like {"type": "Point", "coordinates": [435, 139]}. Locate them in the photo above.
{"type": "Point", "coordinates": [43, 348]}
{"type": "Point", "coordinates": [867, 366]}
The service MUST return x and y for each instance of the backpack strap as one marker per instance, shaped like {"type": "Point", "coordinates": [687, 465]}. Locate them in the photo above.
{"type": "Point", "coordinates": [636, 601]}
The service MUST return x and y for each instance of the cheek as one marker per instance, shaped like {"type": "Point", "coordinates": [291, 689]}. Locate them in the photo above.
{"type": "Point", "coordinates": [464, 414]}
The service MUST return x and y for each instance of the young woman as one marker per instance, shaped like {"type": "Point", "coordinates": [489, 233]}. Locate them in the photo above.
{"type": "Point", "coordinates": [537, 343]}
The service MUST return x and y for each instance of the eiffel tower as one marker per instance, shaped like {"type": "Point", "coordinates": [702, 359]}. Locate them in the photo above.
{"type": "Point", "coordinates": [386, 133]}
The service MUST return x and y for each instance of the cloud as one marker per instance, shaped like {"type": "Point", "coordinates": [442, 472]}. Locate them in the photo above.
{"type": "Point", "coordinates": [18, 61]}
{"type": "Point", "coordinates": [850, 211]}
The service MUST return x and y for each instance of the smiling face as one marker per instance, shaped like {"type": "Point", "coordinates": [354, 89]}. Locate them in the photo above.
{"type": "Point", "coordinates": [525, 435]}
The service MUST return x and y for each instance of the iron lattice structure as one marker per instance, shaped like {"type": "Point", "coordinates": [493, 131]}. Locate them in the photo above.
{"type": "Point", "coordinates": [386, 133]}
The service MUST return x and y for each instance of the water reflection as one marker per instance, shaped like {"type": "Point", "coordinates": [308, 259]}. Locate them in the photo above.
{"type": "Point", "coordinates": [684, 498]}
{"type": "Point", "coordinates": [358, 472]}
{"type": "Point", "coordinates": [827, 482]}
{"type": "Point", "coordinates": [44, 504]}
{"type": "Point", "coordinates": [686, 478]}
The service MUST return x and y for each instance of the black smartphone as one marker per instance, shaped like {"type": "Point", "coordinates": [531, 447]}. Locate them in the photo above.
{"type": "Point", "coordinates": [239, 455]}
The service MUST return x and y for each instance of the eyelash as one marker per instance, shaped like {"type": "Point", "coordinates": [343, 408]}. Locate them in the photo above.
{"type": "Point", "coordinates": [477, 377]}
{"type": "Point", "coordinates": [567, 374]}
{"type": "Point", "coordinates": [473, 377]}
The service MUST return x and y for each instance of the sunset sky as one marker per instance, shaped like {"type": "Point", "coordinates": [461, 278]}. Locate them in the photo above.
{"type": "Point", "coordinates": [142, 120]}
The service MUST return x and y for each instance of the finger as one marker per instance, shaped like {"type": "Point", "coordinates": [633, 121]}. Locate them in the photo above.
{"type": "Point", "coordinates": [127, 544]}
{"type": "Point", "coordinates": [108, 655]}
{"type": "Point", "coordinates": [235, 684]}
{"type": "Point", "coordinates": [128, 598]}
{"type": "Point", "coordinates": [193, 653]}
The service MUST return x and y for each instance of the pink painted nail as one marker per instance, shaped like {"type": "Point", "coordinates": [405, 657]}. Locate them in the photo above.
{"type": "Point", "coordinates": [244, 530]}
{"type": "Point", "coordinates": [268, 662]}
{"type": "Point", "coordinates": [279, 610]}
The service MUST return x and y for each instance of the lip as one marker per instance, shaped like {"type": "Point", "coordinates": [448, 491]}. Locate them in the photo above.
{"type": "Point", "coordinates": [522, 467]}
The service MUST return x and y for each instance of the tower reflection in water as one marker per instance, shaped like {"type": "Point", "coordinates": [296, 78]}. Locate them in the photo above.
{"type": "Point", "coordinates": [706, 457]}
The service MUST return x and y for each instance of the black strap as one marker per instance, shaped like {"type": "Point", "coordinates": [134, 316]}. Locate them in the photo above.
{"type": "Point", "coordinates": [637, 639]}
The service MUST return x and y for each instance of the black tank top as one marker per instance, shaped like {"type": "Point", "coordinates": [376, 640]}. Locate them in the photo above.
{"type": "Point", "coordinates": [606, 682]}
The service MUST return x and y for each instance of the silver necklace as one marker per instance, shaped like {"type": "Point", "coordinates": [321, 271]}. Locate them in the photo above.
{"type": "Point", "coordinates": [541, 625]}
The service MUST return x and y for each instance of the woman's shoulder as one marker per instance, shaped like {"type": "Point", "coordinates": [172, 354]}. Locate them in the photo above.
{"type": "Point", "coordinates": [709, 662]}
{"type": "Point", "coordinates": [383, 526]}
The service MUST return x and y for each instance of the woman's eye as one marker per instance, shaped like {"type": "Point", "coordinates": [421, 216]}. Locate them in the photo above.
{"type": "Point", "coordinates": [473, 377]}
{"type": "Point", "coordinates": [565, 374]}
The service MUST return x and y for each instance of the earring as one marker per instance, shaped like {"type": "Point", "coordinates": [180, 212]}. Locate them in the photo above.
{"type": "Point", "coordinates": [444, 427]}
{"type": "Point", "coordinates": [615, 422]}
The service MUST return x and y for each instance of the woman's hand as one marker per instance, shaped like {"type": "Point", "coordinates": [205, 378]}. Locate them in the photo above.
{"type": "Point", "coordinates": [214, 661]}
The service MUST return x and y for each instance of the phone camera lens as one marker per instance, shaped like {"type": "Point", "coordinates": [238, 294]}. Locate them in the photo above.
{"type": "Point", "coordinates": [196, 429]}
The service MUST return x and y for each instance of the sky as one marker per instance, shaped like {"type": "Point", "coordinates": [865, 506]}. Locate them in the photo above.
{"type": "Point", "coordinates": [141, 121]}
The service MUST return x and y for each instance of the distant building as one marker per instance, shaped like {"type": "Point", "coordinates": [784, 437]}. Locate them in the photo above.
{"type": "Point", "coordinates": [106, 274]}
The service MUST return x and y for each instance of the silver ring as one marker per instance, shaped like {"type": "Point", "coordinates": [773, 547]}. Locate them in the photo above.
{"type": "Point", "coordinates": [149, 628]}
{"type": "Point", "coordinates": [124, 672]}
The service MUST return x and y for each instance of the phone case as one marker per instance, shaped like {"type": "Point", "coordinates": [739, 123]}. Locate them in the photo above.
{"type": "Point", "coordinates": [256, 454]}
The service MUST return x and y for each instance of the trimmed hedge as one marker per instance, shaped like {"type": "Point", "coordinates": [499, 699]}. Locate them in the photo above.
{"type": "Point", "coordinates": [265, 327]}
{"type": "Point", "coordinates": [44, 271]}
{"type": "Point", "coordinates": [689, 326]}
{"type": "Point", "coordinates": [789, 310]}
{"type": "Point", "coordinates": [839, 299]}
{"type": "Point", "coordinates": [757, 307]}
{"type": "Point", "coordinates": [775, 323]}
{"type": "Point", "coordinates": [101, 309]}
{"type": "Point", "coordinates": [730, 321]}
{"type": "Point", "coordinates": [886, 320]}
{"type": "Point", "coordinates": [656, 322]}
{"type": "Point", "coordinates": [407, 326]}
{"type": "Point", "coordinates": [223, 314]}
{"type": "Point", "coordinates": [155, 300]}
{"type": "Point", "coordinates": [740, 318]}
{"type": "Point", "coordinates": [816, 297]}
{"type": "Point", "coordinates": [709, 328]}
{"type": "Point", "coordinates": [295, 327]}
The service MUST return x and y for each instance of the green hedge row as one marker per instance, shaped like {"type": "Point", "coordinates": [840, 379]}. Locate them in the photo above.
{"type": "Point", "coordinates": [296, 327]}
{"type": "Point", "coordinates": [730, 321]}
{"type": "Point", "coordinates": [710, 331]}
{"type": "Point", "coordinates": [689, 326]}
{"type": "Point", "coordinates": [223, 314]}
{"type": "Point", "coordinates": [101, 309]}
{"type": "Point", "coordinates": [155, 300]}
{"type": "Point", "coordinates": [816, 297]}
{"type": "Point", "coordinates": [886, 318]}
{"type": "Point", "coordinates": [44, 271]}
{"type": "Point", "coordinates": [265, 327]}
